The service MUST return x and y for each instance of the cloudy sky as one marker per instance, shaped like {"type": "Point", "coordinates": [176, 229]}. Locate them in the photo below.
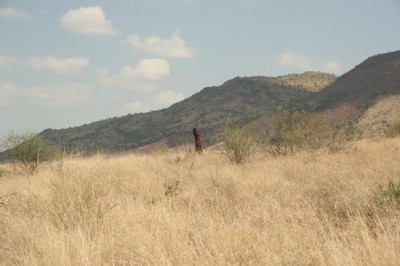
{"type": "Point", "coordinates": [68, 63]}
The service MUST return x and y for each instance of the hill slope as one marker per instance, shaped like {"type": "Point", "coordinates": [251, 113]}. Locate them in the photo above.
{"type": "Point", "coordinates": [312, 81]}
{"type": "Point", "coordinates": [250, 98]}
{"type": "Point", "coordinates": [358, 89]}
{"type": "Point", "coordinates": [375, 121]}
{"type": "Point", "coordinates": [240, 98]}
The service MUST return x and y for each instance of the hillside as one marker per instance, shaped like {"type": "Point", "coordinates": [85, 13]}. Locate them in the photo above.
{"type": "Point", "coordinates": [246, 99]}
{"type": "Point", "coordinates": [312, 81]}
{"type": "Point", "coordinates": [344, 100]}
{"type": "Point", "coordinates": [360, 88]}
{"type": "Point", "coordinates": [379, 117]}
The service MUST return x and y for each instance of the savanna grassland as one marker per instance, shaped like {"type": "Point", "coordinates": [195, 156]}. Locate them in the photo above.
{"type": "Point", "coordinates": [175, 208]}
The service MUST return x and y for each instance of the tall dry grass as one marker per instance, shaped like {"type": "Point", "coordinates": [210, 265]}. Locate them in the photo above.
{"type": "Point", "coordinates": [179, 209]}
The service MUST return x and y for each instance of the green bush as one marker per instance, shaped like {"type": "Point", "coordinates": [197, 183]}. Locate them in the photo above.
{"type": "Point", "coordinates": [3, 172]}
{"type": "Point", "coordinates": [29, 149]}
{"type": "Point", "coordinates": [171, 188]}
{"type": "Point", "coordinates": [239, 143]}
{"type": "Point", "coordinates": [390, 192]}
{"type": "Point", "coordinates": [289, 131]}
{"type": "Point", "coordinates": [393, 130]}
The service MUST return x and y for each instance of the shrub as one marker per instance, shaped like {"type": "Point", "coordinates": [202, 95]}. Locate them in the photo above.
{"type": "Point", "coordinates": [393, 130]}
{"type": "Point", "coordinates": [3, 172]}
{"type": "Point", "coordinates": [13, 139]}
{"type": "Point", "coordinates": [171, 188]}
{"type": "Point", "coordinates": [288, 131]}
{"type": "Point", "coordinates": [339, 139]}
{"type": "Point", "coordinates": [391, 192]}
{"type": "Point", "coordinates": [239, 143]}
{"type": "Point", "coordinates": [29, 149]}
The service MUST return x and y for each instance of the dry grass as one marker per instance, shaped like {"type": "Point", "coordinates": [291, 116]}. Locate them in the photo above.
{"type": "Point", "coordinates": [376, 120]}
{"type": "Point", "coordinates": [179, 209]}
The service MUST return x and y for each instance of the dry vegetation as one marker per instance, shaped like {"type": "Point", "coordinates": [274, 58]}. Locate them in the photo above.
{"type": "Point", "coordinates": [175, 208]}
{"type": "Point", "coordinates": [379, 117]}
{"type": "Point", "coordinates": [312, 81]}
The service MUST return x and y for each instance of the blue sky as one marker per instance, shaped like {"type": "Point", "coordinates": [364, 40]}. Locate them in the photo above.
{"type": "Point", "coordinates": [68, 63]}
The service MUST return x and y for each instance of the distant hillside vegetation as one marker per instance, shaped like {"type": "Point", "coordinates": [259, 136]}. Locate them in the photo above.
{"type": "Point", "coordinates": [312, 81]}
{"type": "Point", "coordinates": [375, 121]}
{"type": "Point", "coordinates": [244, 99]}
{"type": "Point", "coordinates": [360, 88]}
{"type": "Point", "coordinates": [343, 99]}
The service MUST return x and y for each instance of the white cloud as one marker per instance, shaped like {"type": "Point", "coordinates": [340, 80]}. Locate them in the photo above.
{"type": "Point", "coordinates": [142, 77]}
{"type": "Point", "coordinates": [333, 67]}
{"type": "Point", "coordinates": [306, 63]}
{"type": "Point", "coordinates": [168, 98]}
{"type": "Point", "coordinates": [53, 94]}
{"type": "Point", "coordinates": [133, 107]}
{"type": "Point", "coordinates": [66, 66]}
{"type": "Point", "coordinates": [59, 94]}
{"type": "Point", "coordinates": [9, 13]}
{"type": "Point", "coordinates": [296, 61]}
{"type": "Point", "coordinates": [172, 47]}
{"type": "Point", "coordinates": [159, 101]}
{"type": "Point", "coordinates": [89, 21]}
{"type": "Point", "coordinates": [6, 61]}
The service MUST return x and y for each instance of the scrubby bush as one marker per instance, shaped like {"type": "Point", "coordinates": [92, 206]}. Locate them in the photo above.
{"type": "Point", "coordinates": [288, 131]}
{"type": "Point", "coordinates": [390, 192]}
{"type": "Point", "coordinates": [3, 172]}
{"type": "Point", "coordinates": [339, 138]}
{"type": "Point", "coordinates": [239, 143]}
{"type": "Point", "coordinates": [29, 149]}
{"type": "Point", "coordinates": [393, 130]}
{"type": "Point", "coordinates": [171, 188]}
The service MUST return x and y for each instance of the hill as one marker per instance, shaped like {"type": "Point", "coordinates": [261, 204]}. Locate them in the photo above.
{"type": "Point", "coordinates": [312, 81]}
{"type": "Point", "coordinates": [246, 99]}
{"type": "Point", "coordinates": [343, 99]}
{"type": "Point", "coordinates": [360, 88]}
{"type": "Point", "coordinates": [374, 122]}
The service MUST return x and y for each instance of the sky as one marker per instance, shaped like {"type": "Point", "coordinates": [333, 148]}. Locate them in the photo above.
{"type": "Point", "coordinates": [69, 63]}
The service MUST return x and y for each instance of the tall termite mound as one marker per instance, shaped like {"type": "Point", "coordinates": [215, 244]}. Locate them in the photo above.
{"type": "Point", "coordinates": [198, 144]}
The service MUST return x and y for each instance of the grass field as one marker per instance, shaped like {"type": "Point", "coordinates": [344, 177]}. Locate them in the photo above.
{"type": "Point", "coordinates": [175, 208]}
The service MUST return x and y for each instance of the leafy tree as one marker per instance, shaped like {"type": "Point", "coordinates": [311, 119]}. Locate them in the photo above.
{"type": "Point", "coordinates": [29, 149]}
{"type": "Point", "coordinates": [13, 139]}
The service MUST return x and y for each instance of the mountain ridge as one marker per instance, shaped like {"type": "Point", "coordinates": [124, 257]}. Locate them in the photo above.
{"type": "Point", "coordinates": [361, 86]}
{"type": "Point", "coordinates": [244, 98]}
{"type": "Point", "coordinates": [247, 99]}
